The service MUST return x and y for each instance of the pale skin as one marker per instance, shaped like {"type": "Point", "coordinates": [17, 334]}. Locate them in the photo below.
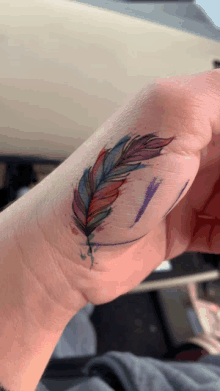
{"type": "Point", "coordinates": [46, 275]}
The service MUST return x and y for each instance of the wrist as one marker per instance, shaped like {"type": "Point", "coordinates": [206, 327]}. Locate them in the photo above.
{"type": "Point", "coordinates": [39, 246]}
{"type": "Point", "coordinates": [31, 321]}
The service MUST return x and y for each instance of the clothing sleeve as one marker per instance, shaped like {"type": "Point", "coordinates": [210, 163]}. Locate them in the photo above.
{"type": "Point", "coordinates": [119, 371]}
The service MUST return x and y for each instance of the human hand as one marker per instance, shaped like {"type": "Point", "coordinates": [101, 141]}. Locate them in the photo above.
{"type": "Point", "coordinates": [66, 243]}
{"type": "Point", "coordinates": [193, 225]}
{"type": "Point", "coordinates": [147, 216]}
{"type": "Point", "coordinates": [186, 108]}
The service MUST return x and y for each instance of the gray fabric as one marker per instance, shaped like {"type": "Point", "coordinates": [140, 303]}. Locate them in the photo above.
{"type": "Point", "coordinates": [135, 373]}
{"type": "Point", "coordinates": [147, 374]}
{"type": "Point", "coordinates": [79, 336]}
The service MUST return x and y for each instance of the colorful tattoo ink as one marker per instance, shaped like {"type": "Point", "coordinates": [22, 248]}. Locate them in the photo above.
{"type": "Point", "coordinates": [100, 185]}
{"type": "Point", "coordinates": [151, 190]}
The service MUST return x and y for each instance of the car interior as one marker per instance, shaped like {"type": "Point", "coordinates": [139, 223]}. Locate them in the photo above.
{"type": "Point", "coordinates": [66, 67]}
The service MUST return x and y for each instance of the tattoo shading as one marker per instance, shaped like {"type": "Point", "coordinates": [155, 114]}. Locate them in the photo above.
{"type": "Point", "coordinates": [99, 185]}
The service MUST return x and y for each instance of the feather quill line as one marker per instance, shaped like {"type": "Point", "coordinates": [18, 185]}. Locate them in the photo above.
{"type": "Point", "coordinates": [99, 186]}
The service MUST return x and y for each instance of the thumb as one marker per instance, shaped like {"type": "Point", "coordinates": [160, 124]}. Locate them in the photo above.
{"type": "Point", "coordinates": [112, 191]}
{"type": "Point", "coordinates": [142, 162]}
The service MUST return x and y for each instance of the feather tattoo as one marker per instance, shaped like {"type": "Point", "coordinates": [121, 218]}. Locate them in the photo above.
{"type": "Point", "coordinates": [99, 185]}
